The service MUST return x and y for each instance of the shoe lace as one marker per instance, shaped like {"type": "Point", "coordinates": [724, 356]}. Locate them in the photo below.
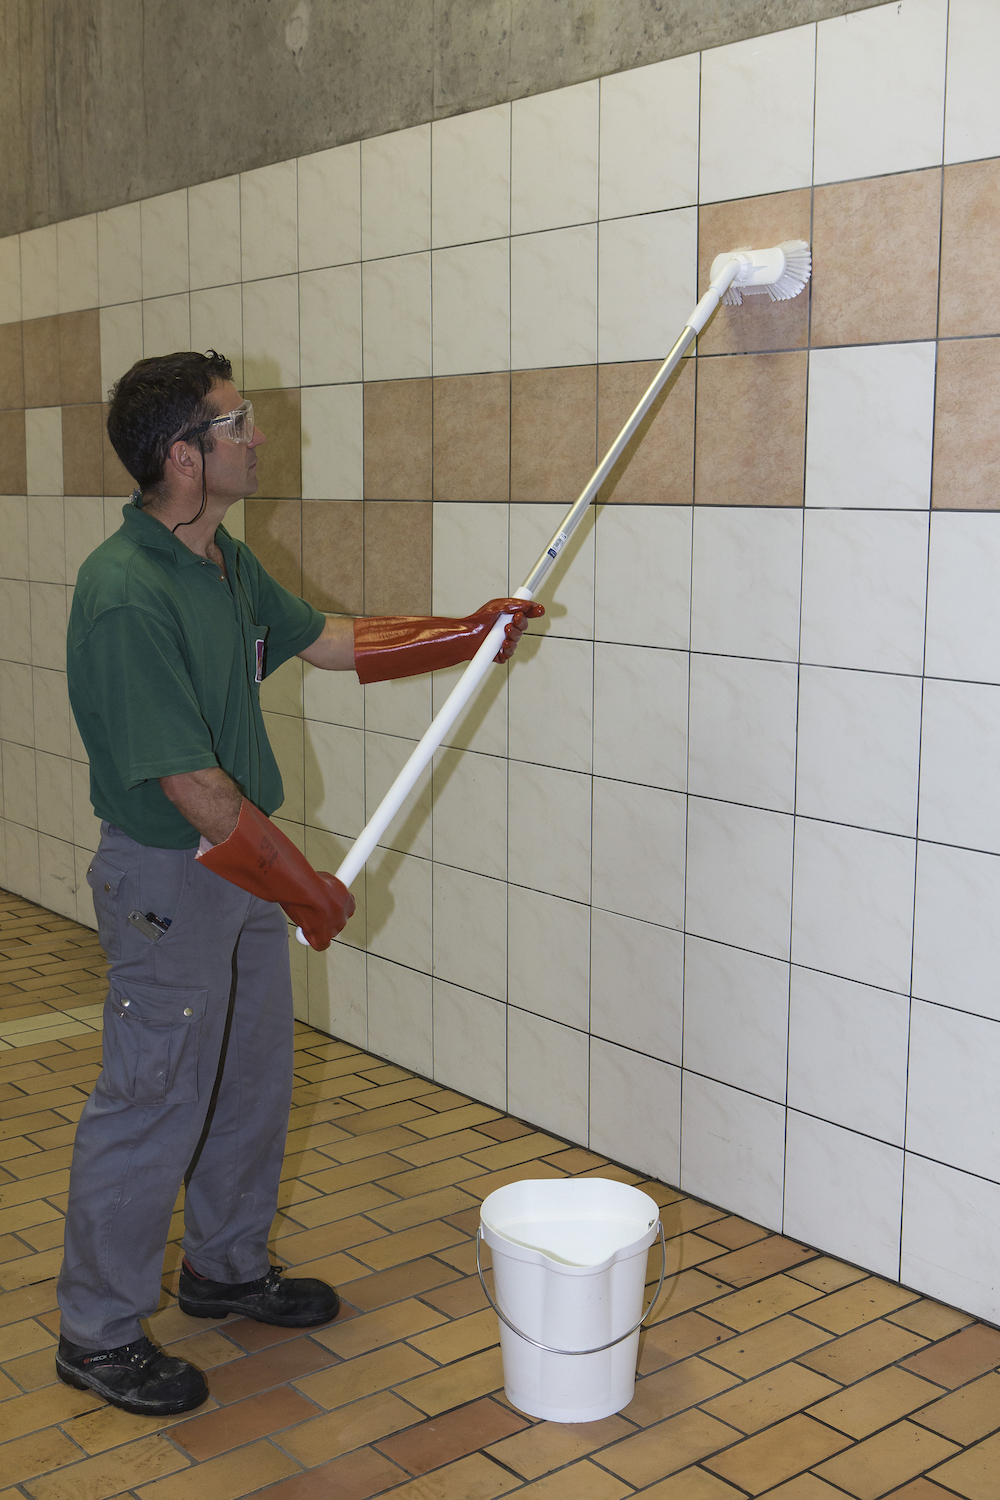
{"type": "Point", "coordinates": [140, 1352]}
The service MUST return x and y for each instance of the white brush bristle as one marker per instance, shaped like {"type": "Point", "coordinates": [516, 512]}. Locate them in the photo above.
{"type": "Point", "coordinates": [789, 283]}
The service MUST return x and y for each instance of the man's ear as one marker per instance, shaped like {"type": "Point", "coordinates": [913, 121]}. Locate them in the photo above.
{"type": "Point", "coordinates": [183, 461]}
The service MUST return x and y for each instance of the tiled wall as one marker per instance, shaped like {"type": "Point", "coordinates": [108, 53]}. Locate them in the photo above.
{"type": "Point", "coordinates": [664, 891]}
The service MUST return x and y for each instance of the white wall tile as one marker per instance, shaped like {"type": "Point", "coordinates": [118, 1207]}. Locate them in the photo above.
{"type": "Point", "coordinates": [402, 707]}
{"type": "Point", "coordinates": [470, 812]}
{"type": "Point", "coordinates": [649, 138]}
{"type": "Point", "coordinates": [22, 859]}
{"type": "Point", "coordinates": [883, 395]}
{"type": "Point", "coordinates": [470, 1043]}
{"type": "Point", "coordinates": [43, 438]}
{"type": "Point", "coordinates": [281, 690]}
{"type": "Point", "coordinates": [548, 956]}
{"type": "Point", "coordinates": [410, 829]}
{"type": "Point", "coordinates": [880, 90]}
{"type": "Point", "coordinates": [470, 542]}
{"type": "Point", "coordinates": [51, 713]}
{"type": "Point", "coordinates": [86, 824]}
{"type": "Point", "coordinates": [16, 715]}
{"type": "Point", "coordinates": [739, 876]}
{"type": "Point", "coordinates": [547, 1074]}
{"type": "Point", "coordinates": [396, 300]}
{"type": "Point", "coordinates": [736, 1017]}
{"type": "Point", "coordinates": [470, 931]}
{"type": "Point", "coordinates": [471, 306]}
{"type": "Point", "coordinates": [853, 904]}
{"type": "Point", "coordinates": [268, 228]}
{"type": "Point", "coordinates": [549, 830]}
{"type": "Point", "coordinates": [166, 324]}
{"type": "Point", "coordinates": [396, 193]}
{"type": "Point", "coordinates": [553, 298]}
{"type": "Point", "coordinates": [217, 323]}
{"type": "Point", "coordinates": [858, 748]}
{"type": "Point", "coordinates": [956, 951]}
{"type": "Point", "coordinates": [552, 702]}
{"type": "Point", "coordinates": [54, 788]}
{"type": "Point", "coordinates": [646, 284]}
{"type": "Point", "coordinates": [554, 149]}
{"type": "Point", "coordinates": [400, 1015]}
{"type": "Point", "coordinates": [844, 1192]}
{"type": "Point", "coordinates": [732, 1149]}
{"type": "Point", "coordinates": [76, 243]}
{"type": "Point", "coordinates": [470, 176]}
{"type": "Point", "coordinates": [636, 984]}
{"type": "Point", "coordinates": [334, 777]}
{"type": "Point", "coordinates": [568, 591]}
{"type": "Point", "coordinates": [334, 697]}
{"type": "Point", "coordinates": [332, 442]}
{"type": "Point", "coordinates": [643, 588]}
{"type": "Point", "coordinates": [745, 582]}
{"type": "Point", "coordinates": [847, 1048]}
{"type": "Point", "coordinates": [338, 993]}
{"type": "Point", "coordinates": [951, 1112]}
{"type": "Point", "coordinates": [286, 736]}
{"type": "Point", "coordinates": [757, 115]}
{"type": "Point", "coordinates": [972, 126]}
{"type": "Point", "coordinates": [963, 603]}
{"type": "Point", "coordinates": [119, 254]}
{"type": "Point", "coordinates": [57, 875]}
{"type": "Point", "coordinates": [39, 273]}
{"type": "Point", "coordinates": [856, 610]}
{"type": "Point", "coordinates": [398, 896]}
{"type": "Point", "coordinates": [483, 725]}
{"type": "Point", "coordinates": [635, 1110]}
{"type": "Point", "coordinates": [19, 793]}
{"type": "Point", "coordinates": [10, 279]}
{"type": "Point", "coordinates": [638, 835]}
{"type": "Point", "coordinates": [330, 325]}
{"type": "Point", "coordinates": [121, 341]}
{"type": "Point", "coordinates": [959, 794]}
{"type": "Point", "coordinates": [214, 233]}
{"type": "Point", "coordinates": [15, 621]}
{"type": "Point", "coordinates": [164, 225]}
{"type": "Point", "coordinates": [326, 851]}
{"type": "Point", "coordinates": [14, 536]}
{"type": "Point", "coordinates": [46, 539]}
{"type": "Point", "coordinates": [329, 208]}
{"type": "Point", "coordinates": [271, 333]}
{"type": "Point", "coordinates": [742, 737]}
{"type": "Point", "coordinates": [640, 715]}
{"type": "Point", "coordinates": [949, 1237]}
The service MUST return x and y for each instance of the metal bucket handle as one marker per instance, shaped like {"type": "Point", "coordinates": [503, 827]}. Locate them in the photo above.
{"type": "Point", "coordinates": [547, 1348]}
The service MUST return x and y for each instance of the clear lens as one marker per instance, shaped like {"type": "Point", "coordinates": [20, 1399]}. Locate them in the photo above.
{"type": "Point", "coordinates": [237, 425]}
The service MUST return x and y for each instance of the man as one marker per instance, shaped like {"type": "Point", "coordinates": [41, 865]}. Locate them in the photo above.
{"type": "Point", "coordinates": [173, 627]}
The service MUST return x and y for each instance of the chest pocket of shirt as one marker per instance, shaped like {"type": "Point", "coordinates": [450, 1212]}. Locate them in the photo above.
{"type": "Point", "coordinates": [258, 648]}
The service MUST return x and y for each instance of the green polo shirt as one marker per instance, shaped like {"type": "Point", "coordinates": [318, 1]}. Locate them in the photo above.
{"type": "Point", "coordinates": [164, 660]}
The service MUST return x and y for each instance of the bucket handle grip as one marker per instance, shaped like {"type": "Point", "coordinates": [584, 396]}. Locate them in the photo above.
{"type": "Point", "coordinates": [547, 1348]}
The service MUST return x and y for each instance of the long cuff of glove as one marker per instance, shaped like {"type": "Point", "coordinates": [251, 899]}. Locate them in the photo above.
{"type": "Point", "coordinates": [259, 858]}
{"type": "Point", "coordinates": [391, 646]}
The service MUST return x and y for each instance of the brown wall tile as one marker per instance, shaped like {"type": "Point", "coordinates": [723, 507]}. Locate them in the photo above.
{"type": "Point", "coordinates": [42, 384]}
{"type": "Point", "coordinates": [11, 367]}
{"type": "Point", "coordinates": [751, 429]}
{"type": "Point", "coordinates": [397, 557]}
{"type": "Point", "coordinates": [80, 356]}
{"type": "Point", "coordinates": [657, 467]}
{"type": "Point", "coordinates": [333, 555]}
{"type": "Point", "coordinates": [278, 414]}
{"type": "Point", "coordinates": [553, 433]}
{"type": "Point", "coordinates": [875, 249]}
{"type": "Point", "coordinates": [398, 440]}
{"type": "Point", "coordinates": [472, 437]}
{"type": "Point", "coordinates": [274, 535]}
{"type": "Point", "coordinates": [970, 241]}
{"type": "Point", "coordinates": [116, 480]}
{"type": "Point", "coordinates": [966, 429]}
{"type": "Point", "coordinates": [83, 450]}
{"type": "Point", "coordinates": [13, 454]}
{"type": "Point", "coordinates": [758, 323]}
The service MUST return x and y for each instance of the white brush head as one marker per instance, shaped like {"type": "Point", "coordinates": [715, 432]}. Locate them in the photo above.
{"type": "Point", "coordinates": [780, 272]}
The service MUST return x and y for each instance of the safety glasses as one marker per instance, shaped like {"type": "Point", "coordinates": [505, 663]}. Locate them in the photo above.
{"type": "Point", "coordinates": [236, 425]}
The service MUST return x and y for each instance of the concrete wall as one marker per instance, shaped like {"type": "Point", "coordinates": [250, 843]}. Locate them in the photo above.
{"type": "Point", "coordinates": [105, 102]}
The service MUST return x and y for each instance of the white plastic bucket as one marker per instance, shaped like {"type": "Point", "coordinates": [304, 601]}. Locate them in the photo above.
{"type": "Point", "coordinates": [569, 1270]}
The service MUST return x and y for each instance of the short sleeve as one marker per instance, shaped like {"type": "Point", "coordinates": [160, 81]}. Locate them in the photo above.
{"type": "Point", "coordinates": [293, 623]}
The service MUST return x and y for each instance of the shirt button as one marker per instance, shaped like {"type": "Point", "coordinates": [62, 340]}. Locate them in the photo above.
{"type": "Point", "coordinates": [188, 1011]}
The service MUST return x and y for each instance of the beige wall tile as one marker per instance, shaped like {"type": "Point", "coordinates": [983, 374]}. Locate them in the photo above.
{"type": "Point", "coordinates": [83, 450]}
{"type": "Point", "coordinates": [116, 480]}
{"type": "Point", "coordinates": [398, 440]}
{"type": "Point", "coordinates": [41, 362]}
{"type": "Point", "coordinates": [397, 557]}
{"type": "Point", "coordinates": [970, 239]}
{"type": "Point", "coordinates": [80, 356]}
{"type": "Point", "coordinates": [657, 467]}
{"type": "Point", "coordinates": [472, 437]}
{"type": "Point", "coordinates": [967, 448]}
{"type": "Point", "coordinates": [867, 288]}
{"type": "Point", "coordinates": [13, 454]}
{"type": "Point", "coordinates": [553, 432]}
{"type": "Point", "coordinates": [11, 367]}
{"type": "Point", "coordinates": [333, 555]}
{"type": "Point", "coordinates": [751, 430]}
{"type": "Point", "coordinates": [278, 414]}
{"type": "Point", "coordinates": [758, 323]}
{"type": "Point", "coordinates": [274, 535]}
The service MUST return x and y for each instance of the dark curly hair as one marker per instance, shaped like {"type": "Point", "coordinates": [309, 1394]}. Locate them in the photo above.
{"type": "Point", "coordinates": [158, 401]}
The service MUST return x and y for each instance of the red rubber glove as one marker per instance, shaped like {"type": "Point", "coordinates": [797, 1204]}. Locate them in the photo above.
{"type": "Point", "coordinates": [259, 858]}
{"type": "Point", "coordinates": [391, 646]}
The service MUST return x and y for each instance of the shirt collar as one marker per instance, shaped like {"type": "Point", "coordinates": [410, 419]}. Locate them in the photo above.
{"type": "Point", "coordinates": [145, 529]}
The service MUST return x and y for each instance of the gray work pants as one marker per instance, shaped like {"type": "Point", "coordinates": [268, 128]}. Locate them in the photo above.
{"type": "Point", "coordinates": [166, 1053]}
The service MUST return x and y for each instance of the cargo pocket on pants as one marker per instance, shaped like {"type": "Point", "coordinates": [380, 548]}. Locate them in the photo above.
{"type": "Point", "coordinates": [152, 1035]}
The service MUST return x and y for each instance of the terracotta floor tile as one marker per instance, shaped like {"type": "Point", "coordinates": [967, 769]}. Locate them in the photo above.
{"type": "Point", "coordinates": [409, 1182]}
{"type": "Point", "coordinates": [454, 1119]}
{"type": "Point", "coordinates": [383, 1287]}
{"type": "Point", "coordinates": [524, 1148]}
{"type": "Point", "coordinates": [575, 1159]}
{"type": "Point", "coordinates": [374, 1329]}
{"type": "Point", "coordinates": [325, 1210]}
{"type": "Point", "coordinates": [807, 1487]}
{"type": "Point", "coordinates": [763, 1348]}
{"type": "Point", "coordinates": [407, 1111]}
{"type": "Point", "coordinates": [333, 1179]}
{"type": "Point", "coordinates": [974, 1474]}
{"type": "Point", "coordinates": [355, 1476]}
{"type": "Point", "coordinates": [692, 1484]}
{"type": "Point", "coordinates": [472, 1478]}
{"type": "Point", "coordinates": [256, 1336]}
{"type": "Point", "coordinates": [463, 1257]}
{"type": "Point", "coordinates": [858, 1304]}
{"type": "Point", "coordinates": [394, 1249]}
{"type": "Point", "coordinates": [862, 1352]}
{"type": "Point", "coordinates": [674, 1389]}
{"type": "Point", "coordinates": [672, 1445]}
{"type": "Point", "coordinates": [423, 1153]}
{"type": "Point", "coordinates": [231, 1426]}
{"type": "Point", "coordinates": [364, 1375]}
{"type": "Point", "coordinates": [875, 1402]}
{"type": "Point", "coordinates": [333, 1269]}
{"type": "Point", "coordinates": [35, 1454]}
{"type": "Point", "coordinates": [827, 1274]}
{"type": "Point", "coordinates": [134, 1464]}
{"type": "Point", "coordinates": [764, 1258]}
{"type": "Point", "coordinates": [665, 1343]}
{"type": "Point", "coordinates": [270, 1367]}
{"type": "Point", "coordinates": [761, 1302]}
{"type": "Point", "coordinates": [458, 1338]}
{"type": "Point", "coordinates": [351, 1427]}
{"type": "Point", "coordinates": [453, 1435]}
{"type": "Point", "coordinates": [224, 1478]}
{"type": "Point", "coordinates": [692, 1288]}
{"type": "Point", "coordinates": [922, 1489]}
{"type": "Point", "coordinates": [23, 1338]}
{"type": "Point", "coordinates": [419, 1210]}
{"type": "Point", "coordinates": [505, 1128]}
{"type": "Point", "coordinates": [582, 1481]}
{"type": "Point", "coordinates": [169, 1324]}
{"type": "Point", "coordinates": [459, 1299]}
{"type": "Point", "coordinates": [455, 1384]}
{"type": "Point", "coordinates": [32, 1371]}
{"type": "Point", "coordinates": [932, 1320]}
{"type": "Point", "coordinates": [734, 1233]}
{"type": "Point", "coordinates": [758, 1403]}
{"type": "Point", "coordinates": [372, 1143]}
{"type": "Point", "coordinates": [56, 1403]}
{"type": "Point", "coordinates": [960, 1358]}
{"type": "Point", "coordinates": [108, 1427]}
{"type": "Point", "coordinates": [877, 1465]}
{"type": "Point", "coordinates": [766, 1459]}
{"type": "Point", "coordinates": [967, 1414]}
{"type": "Point", "coordinates": [300, 1245]}
{"type": "Point", "coordinates": [550, 1445]}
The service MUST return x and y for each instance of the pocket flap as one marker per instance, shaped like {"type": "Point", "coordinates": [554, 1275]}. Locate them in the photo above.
{"type": "Point", "coordinates": [158, 1004]}
{"type": "Point", "coordinates": [103, 876]}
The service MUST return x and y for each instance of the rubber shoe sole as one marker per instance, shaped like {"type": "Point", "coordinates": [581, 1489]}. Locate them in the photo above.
{"type": "Point", "coordinates": [69, 1375]}
{"type": "Point", "coordinates": [222, 1309]}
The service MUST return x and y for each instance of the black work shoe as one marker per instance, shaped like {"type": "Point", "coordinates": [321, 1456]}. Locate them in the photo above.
{"type": "Point", "coordinates": [138, 1377]}
{"type": "Point", "coordinates": [300, 1302]}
